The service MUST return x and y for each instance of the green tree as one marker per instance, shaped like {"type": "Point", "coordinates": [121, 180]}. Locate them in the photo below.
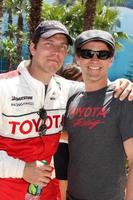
{"type": "Point", "coordinates": [14, 34]}
{"type": "Point", "coordinates": [20, 9]}
{"type": "Point", "coordinates": [8, 51]}
{"type": "Point", "coordinates": [71, 16]}
{"type": "Point", "coordinates": [76, 16]}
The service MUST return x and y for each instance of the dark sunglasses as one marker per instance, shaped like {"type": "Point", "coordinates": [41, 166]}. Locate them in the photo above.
{"type": "Point", "coordinates": [88, 54]}
{"type": "Point", "coordinates": [43, 115]}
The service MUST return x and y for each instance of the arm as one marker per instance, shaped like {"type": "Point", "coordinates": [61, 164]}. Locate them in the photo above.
{"type": "Point", "coordinates": [63, 188]}
{"type": "Point", "coordinates": [61, 159]}
{"type": "Point", "coordinates": [123, 88]}
{"type": "Point", "coordinates": [31, 172]}
{"type": "Point", "coordinates": [128, 146]}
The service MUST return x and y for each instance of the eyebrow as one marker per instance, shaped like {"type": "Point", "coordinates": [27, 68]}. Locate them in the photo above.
{"type": "Point", "coordinates": [49, 39]}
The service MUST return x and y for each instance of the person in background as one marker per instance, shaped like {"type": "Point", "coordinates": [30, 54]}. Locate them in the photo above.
{"type": "Point", "coordinates": [32, 106]}
{"type": "Point", "coordinates": [72, 72]}
{"type": "Point", "coordinates": [99, 127]}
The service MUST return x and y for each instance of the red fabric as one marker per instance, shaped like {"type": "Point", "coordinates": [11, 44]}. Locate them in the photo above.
{"type": "Point", "coordinates": [29, 150]}
{"type": "Point", "coordinates": [51, 192]}
{"type": "Point", "coordinates": [15, 189]}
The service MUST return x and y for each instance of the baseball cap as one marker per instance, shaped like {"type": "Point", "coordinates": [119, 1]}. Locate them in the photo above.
{"type": "Point", "coordinates": [92, 35]}
{"type": "Point", "coordinates": [49, 28]}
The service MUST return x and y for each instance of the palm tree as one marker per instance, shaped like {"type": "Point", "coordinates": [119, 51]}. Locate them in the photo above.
{"type": "Point", "coordinates": [106, 17]}
{"type": "Point", "coordinates": [34, 15]}
{"type": "Point", "coordinates": [15, 8]}
{"type": "Point", "coordinates": [90, 13]}
{"type": "Point", "coordinates": [71, 16]}
{"type": "Point", "coordinates": [1, 11]}
{"type": "Point", "coordinates": [19, 35]}
{"type": "Point", "coordinates": [20, 9]}
{"type": "Point", "coordinates": [1, 8]}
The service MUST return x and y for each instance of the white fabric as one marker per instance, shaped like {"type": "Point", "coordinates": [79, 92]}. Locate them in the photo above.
{"type": "Point", "coordinates": [21, 97]}
{"type": "Point", "coordinates": [10, 167]}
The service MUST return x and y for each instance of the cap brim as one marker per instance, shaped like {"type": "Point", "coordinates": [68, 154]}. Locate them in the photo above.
{"type": "Point", "coordinates": [50, 33]}
{"type": "Point", "coordinates": [94, 39]}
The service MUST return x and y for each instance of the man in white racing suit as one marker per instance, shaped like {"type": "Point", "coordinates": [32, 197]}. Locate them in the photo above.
{"type": "Point", "coordinates": [32, 106]}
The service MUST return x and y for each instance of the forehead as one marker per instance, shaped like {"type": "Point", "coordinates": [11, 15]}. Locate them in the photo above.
{"type": "Point", "coordinates": [96, 45]}
{"type": "Point", "coordinates": [58, 37]}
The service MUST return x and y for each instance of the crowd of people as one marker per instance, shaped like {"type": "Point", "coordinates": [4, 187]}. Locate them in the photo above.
{"type": "Point", "coordinates": [34, 100]}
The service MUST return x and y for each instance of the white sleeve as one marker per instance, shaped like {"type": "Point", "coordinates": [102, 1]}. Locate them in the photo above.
{"type": "Point", "coordinates": [10, 167]}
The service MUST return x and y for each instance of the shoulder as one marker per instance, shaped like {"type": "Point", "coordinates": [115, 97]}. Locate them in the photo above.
{"type": "Point", "coordinates": [9, 75]}
{"type": "Point", "coordinates": [9, 80]}
{"type": "Point", "coordinates": [73, 85]}
{"type": "Point", "coordinates": [64, 80]}
{"type": "Point", "coordinates": [74, 99]}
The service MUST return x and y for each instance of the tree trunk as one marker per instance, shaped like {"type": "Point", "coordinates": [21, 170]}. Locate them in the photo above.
{"type": "Point", "coordinates": [90, 13]}
{"type": "Point", "coordinates": [1, 13]}
{"type": "Point", "coordinates": [19, 37]}
{"type": "Point", "coordinates": [35, 15]}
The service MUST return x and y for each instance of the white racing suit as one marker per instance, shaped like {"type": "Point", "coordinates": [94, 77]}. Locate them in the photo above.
{"type": "Point", "coordinates": [21, 97]}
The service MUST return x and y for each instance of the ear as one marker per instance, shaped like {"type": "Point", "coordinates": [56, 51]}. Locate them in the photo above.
{"type": "Point", "coordinates": [110, 62]}
{"type": "Point", "coordinates": [32, 48]}
{"type": "Point", "coordinates": [77, 59]}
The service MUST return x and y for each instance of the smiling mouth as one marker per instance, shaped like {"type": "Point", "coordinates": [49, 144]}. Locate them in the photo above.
{"type": "Point", "coordinates": [94, 68]}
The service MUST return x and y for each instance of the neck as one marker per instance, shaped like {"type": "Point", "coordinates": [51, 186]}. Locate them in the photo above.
{"type": "Point", "coordinates": [43, 77]}
{"type": "Point", "coordinates": [94, 86]}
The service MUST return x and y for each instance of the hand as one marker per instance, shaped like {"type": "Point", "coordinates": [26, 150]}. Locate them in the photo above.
{"type": "Point", "coordinates": [123, 88]}
{"type": "Point", "coordinates": [37, 174]}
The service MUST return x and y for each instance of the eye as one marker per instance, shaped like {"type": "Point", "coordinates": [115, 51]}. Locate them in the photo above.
{"type": "Point", "coordinates": [104, 55]}
{"type": "Point", "coordinates": [64, 47]}
{"type": "Point", "coordinates": [48, 44]}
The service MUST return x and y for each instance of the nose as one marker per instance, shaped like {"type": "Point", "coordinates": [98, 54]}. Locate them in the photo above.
{"type": "Point", "coordinates": [94, 58]}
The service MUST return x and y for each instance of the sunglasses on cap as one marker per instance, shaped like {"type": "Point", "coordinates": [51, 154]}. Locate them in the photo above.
{"type": "Point", "coordinates": [43, 115]}
{"type": "Point", "coordinates": [101, 54]}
